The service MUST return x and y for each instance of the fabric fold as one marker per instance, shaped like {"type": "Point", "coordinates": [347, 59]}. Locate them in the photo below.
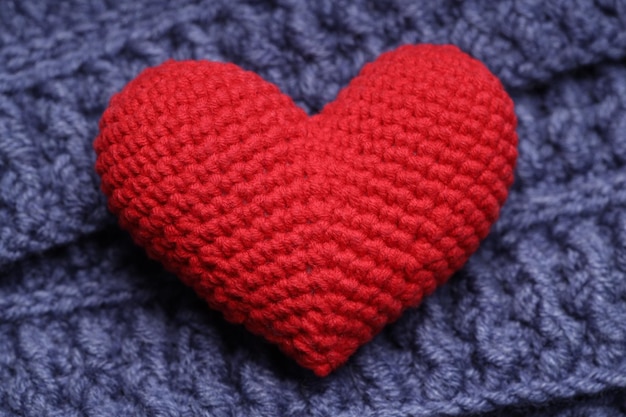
{"type": "Point", "coordinates": [54, 89]}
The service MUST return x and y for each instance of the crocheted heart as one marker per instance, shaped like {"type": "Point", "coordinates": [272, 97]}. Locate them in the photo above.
{"type": "Point", "coordinates": [313, 232]}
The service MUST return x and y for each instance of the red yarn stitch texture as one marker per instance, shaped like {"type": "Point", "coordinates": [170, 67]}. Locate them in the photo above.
{"type": "Point", "coordinates": [314, 232]}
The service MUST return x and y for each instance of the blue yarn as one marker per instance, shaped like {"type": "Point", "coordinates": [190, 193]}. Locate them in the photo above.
{"type": "Point", "coordinates": [534, 324]}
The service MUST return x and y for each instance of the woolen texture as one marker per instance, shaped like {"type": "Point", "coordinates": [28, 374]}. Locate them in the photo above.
{"type": "Point", "coordinates": [534, 324]}
{"type": "Point", "coordinates": [312, 232]}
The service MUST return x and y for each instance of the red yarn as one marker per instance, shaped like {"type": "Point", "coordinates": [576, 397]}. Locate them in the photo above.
{"type": "Point", "coordinates": [317, 231]}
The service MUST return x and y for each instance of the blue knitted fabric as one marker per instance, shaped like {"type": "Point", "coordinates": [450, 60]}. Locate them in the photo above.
{"type": "Point", "coordinates": [534, 324]}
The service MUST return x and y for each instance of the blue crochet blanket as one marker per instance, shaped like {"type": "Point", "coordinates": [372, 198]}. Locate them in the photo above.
{"type": "Point", "coordinates": [535, 323]}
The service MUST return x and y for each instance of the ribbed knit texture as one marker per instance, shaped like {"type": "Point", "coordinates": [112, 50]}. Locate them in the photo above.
{"type": "Point", "coordinates": [534, 324]}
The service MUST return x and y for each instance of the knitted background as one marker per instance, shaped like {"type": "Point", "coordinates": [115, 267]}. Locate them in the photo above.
{"type": "Point", "coordinates": [535, 324]}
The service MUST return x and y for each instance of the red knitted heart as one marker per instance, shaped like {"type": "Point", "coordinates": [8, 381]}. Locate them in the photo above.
{"type": "Point", "coordinates": [317, 231]}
